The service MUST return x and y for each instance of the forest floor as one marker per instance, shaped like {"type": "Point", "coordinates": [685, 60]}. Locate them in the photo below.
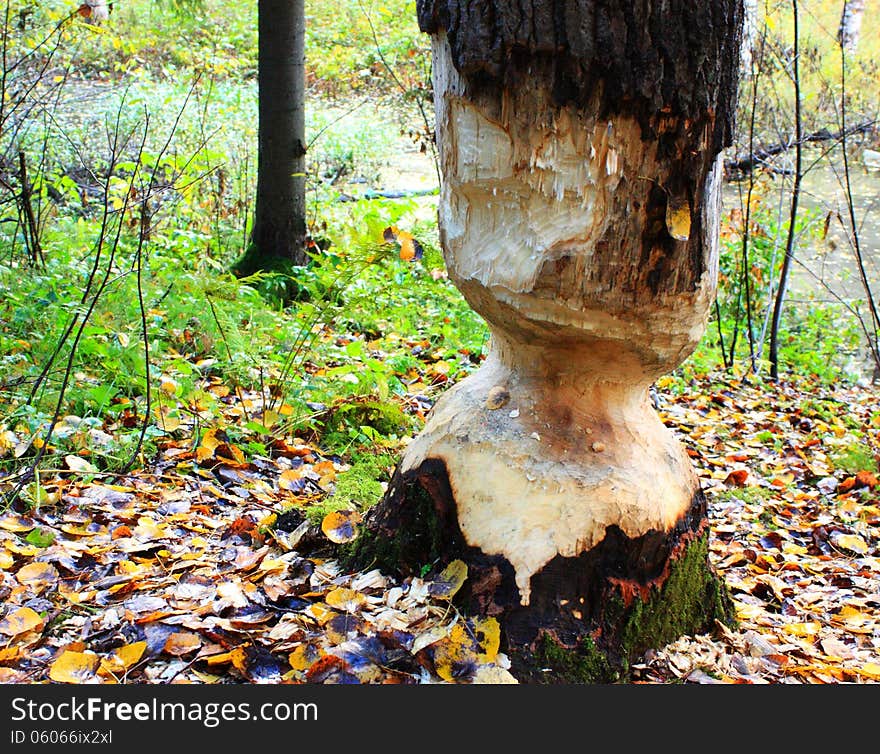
{"type": "Point", "coordinates": [197, 567]}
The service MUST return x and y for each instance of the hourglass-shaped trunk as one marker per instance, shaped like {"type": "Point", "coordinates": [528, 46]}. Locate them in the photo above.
{"type": "Point", "coordinates": [579, 215]}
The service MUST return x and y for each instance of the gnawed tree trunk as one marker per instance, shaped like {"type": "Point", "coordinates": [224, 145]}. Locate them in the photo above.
{"type": "Point", "coordinates": [579, 215]}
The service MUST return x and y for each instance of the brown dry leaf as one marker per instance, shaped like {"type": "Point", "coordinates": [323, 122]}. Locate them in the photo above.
{"type": "Point", "coordinates": [737, 478]}
{"type": "Point", "coordinates": [341, 526]}
{"type": "Point", "coordinates": [37, 576]}
{"type": "Point", "coordinates": [866, 479]}
{"type": "Point", "coordinates": [449, 581]}
{"type": "Point", "coordinates": [182, 643]}
{"type": "Point", "coordinates": [73, 667]}
{"type": "Point", "coordinates": [20, 621]}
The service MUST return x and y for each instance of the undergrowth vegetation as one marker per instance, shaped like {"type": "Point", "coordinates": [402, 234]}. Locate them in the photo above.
{"type": "Point", "coordinates": [128, 161]}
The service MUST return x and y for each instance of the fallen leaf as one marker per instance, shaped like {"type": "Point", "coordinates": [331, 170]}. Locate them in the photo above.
{"type": "Point", "coordinates": [867, 479]}
{"type": "Point", "coordinates": [852, 542]}
{"type": "Point", "coordinates": [19, 621]}
{"type": "Point", "coordinates": [341, 526]}
{"type": "Point", "coordinates": [678, 217]}
{"type": "Point", "coordinates": [449, 581]}
{"type": "Point", "coordinates": [737, 478]}
{"type": "Point", "coordinates": [15, 523]}
{"type": "Point", "coordinates": [123, 658]}
{"type": "Point", "coordinates": [345, 599]}
{"type": "Point", "coordinates": [493, 674]}
{"type": "Point", "coordinates": [182, 643]}
{"type": "Point", "coordinates": [73, 667]}
{"type": "Point", "coordinates": [37, 576]}
{"type": "Point", "coordinates": [80, 465]}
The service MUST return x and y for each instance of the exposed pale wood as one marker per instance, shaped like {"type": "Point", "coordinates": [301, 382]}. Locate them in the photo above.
{"type": "Point", "coordinates": [579, 145]}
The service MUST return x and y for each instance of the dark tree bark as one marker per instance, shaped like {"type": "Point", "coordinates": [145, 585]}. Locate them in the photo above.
{"type": "Point", "coordinates": [278, 237]}
{"type": "Point", "coordinates": [580, 143]}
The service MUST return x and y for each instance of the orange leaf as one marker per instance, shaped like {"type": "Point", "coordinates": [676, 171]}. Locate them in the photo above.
{"type": "Point", "coordinates": [737, 478]}
{"type": "Point", "coordinates": [341, 526]}
{"type": "Point", "coordinates": [866, 479]}
{"type": "Point", "coordinates": [847, 484]}
{"type": "Point", "coordinates": [181, 643]}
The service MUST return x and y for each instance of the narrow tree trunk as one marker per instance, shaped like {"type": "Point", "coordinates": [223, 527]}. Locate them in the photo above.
{"type": "Point", "coordinates": [279, 231]}
{"type": "Point", "coordinates": [782, 289]}
{"type": "Point", "coordinates": [579, 143]}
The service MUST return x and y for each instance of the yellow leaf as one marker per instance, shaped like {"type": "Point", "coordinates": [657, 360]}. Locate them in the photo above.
{"type": "Point", "coordinates": [852, 542]}
{"type": "Point", "coordinates": [454, 656]}
{"type": "Point", "coordinates": [129, 654]}
{"type": "Point", "coordinates": [345, 599]}
{"type": "Point", "coordinates": [166, 420]}
{"type": "Point", "coordinates": [341, 526]}
{"type": "Point", "coordinates": [19, 621]}
{"type": "Point", "coordinates": [869, 670]}
{"type": "Point", "coordinates": [37, 576]}
{"type": "Point", "coordinates": [15, 523]}
{"type": "Point", "coordinates": [73, 667]}
{"type": "Point", "coordinates": [9, 654]}
{"type": "Point", "coordinates": [122, 658]}
{"type": "Point", "coordinates": [270, 418]}
{"type": "Point", "coordinates": [168, 386]}
{"type": "Point", "coordinates": [487, 633]}
{"type": "Point", "coordinates": [239, 659]}
{"type": "Point", "coordinates": [802, 629]}
{"type": "Point", "coordinates": [446, 585]}
{"type": "Point", "coordinates": [288, 479]}
{"type": "Point", "coordinates": [678, 217]}
{"type": "Point", "coordinates": [8, 441]}
{"type": "Point", "coordinates": [303, 657]}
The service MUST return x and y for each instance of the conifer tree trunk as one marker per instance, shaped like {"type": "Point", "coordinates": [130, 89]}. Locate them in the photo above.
{"type": "Point", "coordinates": [579, 210]}
{"type": "Point", "coordinates": [278, 236]}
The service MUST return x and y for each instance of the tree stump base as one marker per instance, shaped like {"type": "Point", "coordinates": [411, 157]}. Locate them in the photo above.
{"type": "Point", "coordinates": [589, 617]}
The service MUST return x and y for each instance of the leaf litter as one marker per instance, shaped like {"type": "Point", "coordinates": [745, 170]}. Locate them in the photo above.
{"type": "Point", "coordinates": [196, 569]}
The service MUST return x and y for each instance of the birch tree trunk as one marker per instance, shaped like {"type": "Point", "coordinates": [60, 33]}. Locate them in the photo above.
{"type": "Point", "coordinates": [850, 24]}
{"type": "Point", "coordinates": [579, 144]}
